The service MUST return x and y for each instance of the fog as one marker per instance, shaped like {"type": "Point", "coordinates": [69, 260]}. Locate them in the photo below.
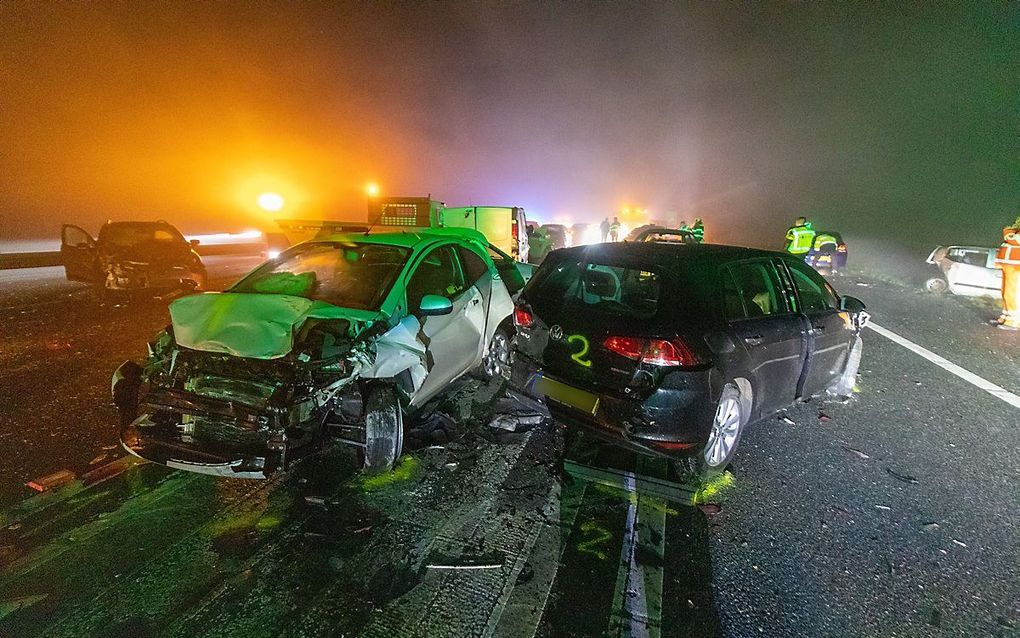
{"type": "Point", "coordinates": [891, 123]}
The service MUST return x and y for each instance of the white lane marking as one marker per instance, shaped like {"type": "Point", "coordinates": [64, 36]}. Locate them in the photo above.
{"type": "Point", "coordinates": [949, 366]}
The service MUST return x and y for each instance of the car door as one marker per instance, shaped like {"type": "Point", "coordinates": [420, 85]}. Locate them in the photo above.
{"type": "Point", "coordinates": [771, 334]}
{"type": "Point", "coordinates": [78, 254]}
{"type": "Point", "coordinates": [452, 340]}
{"type": "Point", "coordinates": [970, 273]}
{"type": "Point", "coordinates": [830, 331]}
{"type": "Point", "coordinates": [496, 301]}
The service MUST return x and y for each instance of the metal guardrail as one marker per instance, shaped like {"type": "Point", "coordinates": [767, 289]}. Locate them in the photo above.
{"type": "Point", "coordinates": [52, 258]}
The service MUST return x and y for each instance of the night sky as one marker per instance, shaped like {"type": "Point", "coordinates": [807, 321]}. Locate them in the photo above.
{"type": "Point", "coordinates": [895, 121]}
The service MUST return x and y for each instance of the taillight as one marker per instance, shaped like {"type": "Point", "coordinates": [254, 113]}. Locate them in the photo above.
{"type": "Point", "coordinates": [515, 230]}
{"type": "Point", "coordinates": [656, 352]}
{"type": "Point", "coordinates": [523, 317]}
{"type": "Point", "coordinates": [841, 248]}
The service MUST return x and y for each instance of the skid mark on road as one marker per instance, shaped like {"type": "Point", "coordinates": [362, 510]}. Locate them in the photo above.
{"type": "Point", "coordinates": [949, 366]}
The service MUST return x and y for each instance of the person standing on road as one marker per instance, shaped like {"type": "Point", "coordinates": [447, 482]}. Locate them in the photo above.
{"type": "Point", "coordinates": [699, 230]}
{"type": "Point", "coordinates": [604, 227]}
{"type": "Point", "coordinates": [800, 237]}
{"type": "Point", "coordinates": [614, 230]}
{"type": "Point", "coordinates": [1008, 259]}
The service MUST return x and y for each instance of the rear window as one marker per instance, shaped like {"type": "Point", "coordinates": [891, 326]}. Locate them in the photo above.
{"type": "Point", "coordinates": [604, 288]}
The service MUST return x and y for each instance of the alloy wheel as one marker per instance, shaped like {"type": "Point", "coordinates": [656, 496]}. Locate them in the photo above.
{"type": "Point", "coordinates": [725, 429]}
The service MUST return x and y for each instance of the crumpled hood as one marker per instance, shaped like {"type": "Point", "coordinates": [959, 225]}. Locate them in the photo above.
{"type": "Point", "coordinates": [257, 326]}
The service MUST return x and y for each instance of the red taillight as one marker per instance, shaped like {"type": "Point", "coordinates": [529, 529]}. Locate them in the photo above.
{"type": "Point", "coordinates": [630, 347]}
{"type": "Point", "coordinates": [656, 352]}
{"type": "Point", "coordinates": [523, 318]}
{"type": "Point", "coordinates": [515, 229]}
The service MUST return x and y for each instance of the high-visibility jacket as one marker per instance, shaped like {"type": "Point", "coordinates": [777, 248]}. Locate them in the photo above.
{"type": "Point", "coordinates": [1009, 253]}
{"type": "Point", "coordinates": [699, 230]}
{"type": "Point", "coordinates": [821, 239]}
{"type": "Point", "coordinates": [799, 239]}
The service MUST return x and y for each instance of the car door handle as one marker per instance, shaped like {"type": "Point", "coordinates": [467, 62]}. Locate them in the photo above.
{"type": "Point", "coordinates": [754, 340]}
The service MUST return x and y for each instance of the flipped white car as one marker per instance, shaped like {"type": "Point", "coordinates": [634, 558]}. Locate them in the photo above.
{"type": "Point", "coordinates": [964, 270]}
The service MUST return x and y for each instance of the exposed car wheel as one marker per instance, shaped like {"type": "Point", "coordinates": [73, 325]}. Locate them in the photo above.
{"type": "Point", "coordinates": [936, 285]}
{"type": "Point", "coordinates": [384, 429]}
{"type": "Point", "coordinates": [843, 386]}
{"type": "Point", "coordinates": [727, 426]}
{"type": "Point", "coordinates": [497, 361]}
{"type": "Point", "coordinates": [725, 433]}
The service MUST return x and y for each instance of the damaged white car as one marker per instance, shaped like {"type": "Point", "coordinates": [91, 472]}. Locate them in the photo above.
{"type": "Point", "coordinates": [964, 270]}
{"type": "Point", "coordinates": [342, 337]}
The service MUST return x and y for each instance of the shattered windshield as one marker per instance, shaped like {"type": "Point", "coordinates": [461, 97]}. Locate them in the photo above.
{"type": "Point", "coordinates": [133, 234]}
{"type": "Point", "coordinates": [343, 274]}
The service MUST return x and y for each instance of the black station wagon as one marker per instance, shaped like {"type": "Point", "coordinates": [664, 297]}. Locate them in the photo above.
{"type": "Point", "coordinates": [671, 349]}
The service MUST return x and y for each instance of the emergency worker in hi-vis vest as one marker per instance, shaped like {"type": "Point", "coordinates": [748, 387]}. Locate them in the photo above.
{"type": "Point", "coordinates": [1008, 259]}
{"type": "Point", "coordinates": [800, 237]}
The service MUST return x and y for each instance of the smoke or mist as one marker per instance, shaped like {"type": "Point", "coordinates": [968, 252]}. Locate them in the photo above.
{"type": "Point", "coordinates": [895, 122]}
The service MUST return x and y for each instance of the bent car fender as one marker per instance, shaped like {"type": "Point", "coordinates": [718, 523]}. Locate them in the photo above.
{"type": "Point", "coordinates": [401, 348]}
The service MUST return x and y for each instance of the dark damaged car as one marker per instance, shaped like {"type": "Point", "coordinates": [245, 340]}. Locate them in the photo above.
{"type": "Point", "coordinates": [132, 256]}
{"type": "Point", "coordinates": [672, 349]}
{"type": "Point", "coordinates": [341, 337]}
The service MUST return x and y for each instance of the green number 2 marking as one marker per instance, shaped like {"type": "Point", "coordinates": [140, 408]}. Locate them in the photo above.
{"type": "Point", "coordinates": [579, 356]}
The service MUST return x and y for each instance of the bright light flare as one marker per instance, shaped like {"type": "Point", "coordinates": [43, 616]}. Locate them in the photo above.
{"type": "Point", "coordinates": [270, 202]}
{"type": "Point", "coordinates": [372, 189]}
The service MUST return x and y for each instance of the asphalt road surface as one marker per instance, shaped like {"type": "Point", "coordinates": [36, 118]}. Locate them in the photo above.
{"type": "Point", "coordinates": [892, 515]}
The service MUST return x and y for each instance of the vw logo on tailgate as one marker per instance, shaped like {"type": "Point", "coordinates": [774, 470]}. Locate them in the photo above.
{"type": "Point", "coordinates": [556, 333]}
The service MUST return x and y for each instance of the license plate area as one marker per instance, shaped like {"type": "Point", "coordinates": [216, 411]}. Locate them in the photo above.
{"type": "Point", "coordinates": [565, 394]}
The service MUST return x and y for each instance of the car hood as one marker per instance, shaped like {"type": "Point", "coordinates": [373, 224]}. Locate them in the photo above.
{"type": "Point", "coordinates": [257, 326]}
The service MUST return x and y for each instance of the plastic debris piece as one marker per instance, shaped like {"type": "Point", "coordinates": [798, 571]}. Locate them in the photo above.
{"type": "Point", "coordinates": [930, 527]}
{"type": "Point", "coordinates": [515, 422]}
{"type": "Point", "coordinates": [960, 543]}
{"type": "Point", "coordinates": [906, 478]}
{"type": "Point", "coordinates": [883, 507]}
{"type": "Point", "coordinates": [787, 420]}
{"type": "Point", "coordinates": [450, 466]}
{"type": "Point", "coordinates": [51, 481]}
{"type": "Point", "coordinates": [857, 452]}
{"type": "Point", "coordinates": [824, 418]}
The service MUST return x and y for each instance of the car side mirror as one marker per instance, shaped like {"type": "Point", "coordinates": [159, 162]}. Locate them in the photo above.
{"type": "Point", "coordinates": [851, 304]}
{"type": "Point", "coordinates": [435, 305]}
{"type": "Point", "coordinates": [194, 242]}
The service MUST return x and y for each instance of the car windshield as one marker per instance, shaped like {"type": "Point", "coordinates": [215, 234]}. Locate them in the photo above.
{"type": "Point", "coordinates": [349, 275]}
{"type": "Point", "coordinates": [133, 234]}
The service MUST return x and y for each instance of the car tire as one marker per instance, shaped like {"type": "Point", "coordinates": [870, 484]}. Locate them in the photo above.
{"type": "Point", "coordinates": [936, 285]}
{"type": "Point", "coordinates": [498, 358]}
{"type": "Point", "coordinates": [384, 429]}
{"type": "Point", "coordinates": [723, 438]}
{"type": "Point", "coordinates": [843, 386]}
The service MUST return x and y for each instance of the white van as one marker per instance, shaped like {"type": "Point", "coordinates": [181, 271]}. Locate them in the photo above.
{"type": "Point", "coordinates": [504, 226]}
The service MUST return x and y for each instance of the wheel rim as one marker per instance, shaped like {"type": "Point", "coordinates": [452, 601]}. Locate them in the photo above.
{"type": "Point", "coordinates": [725, 428]}
{"type": "Point", "coordinates": [497, 360]}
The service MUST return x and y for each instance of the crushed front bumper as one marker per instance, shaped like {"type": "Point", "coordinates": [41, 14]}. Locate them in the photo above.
{"type": "Point", "coordinates": [166, 445]}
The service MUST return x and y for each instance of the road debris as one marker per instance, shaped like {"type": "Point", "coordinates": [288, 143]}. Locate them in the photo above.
{"type": "Point", "coordinates": [906, 478]}
{"type": "Point", "coordinates": [885, 508]}
{"type": "Point", "coordinates": [824, 418]}
{"type": "Point", "coordinates": [315, 500]}
{"type": "Point", "coordinates": [51, 481]}
{"type": "Point", "coordinates": [930, 527]}
{"type": "Point", "coordinates": [787, 420]}
{"type": "Point", "coordinates": [960, 543]}
{"type": "Point", "coordinates": [860, 454]}
{"type": "Point", "coordinates": [98, 459]}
